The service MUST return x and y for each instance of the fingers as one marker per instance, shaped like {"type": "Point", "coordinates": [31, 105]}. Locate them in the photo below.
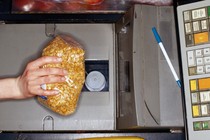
{"type": "Point", "coordinates": [33, 74]}
{"type": "Point", "coordinates": [33, 69]}
{"type": "Point", "coordinates": [47, 80]}
{"type": "Point", "coordinates": [36, 89]}
{"type": "Point", "coordinates": [42, 61]}
{"type": "Point", "coordinates": [41, 92]}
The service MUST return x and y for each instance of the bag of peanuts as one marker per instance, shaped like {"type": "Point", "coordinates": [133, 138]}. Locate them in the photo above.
{"type": "Point", "coordinates": [72, 55]}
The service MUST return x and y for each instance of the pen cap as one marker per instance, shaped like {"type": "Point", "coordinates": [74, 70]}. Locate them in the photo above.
{"type": "Point", "coordinates": [157, 37]}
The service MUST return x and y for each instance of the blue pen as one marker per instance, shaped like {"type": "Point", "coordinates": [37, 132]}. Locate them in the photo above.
{"type": "Point", "coordinates": [157, 37]}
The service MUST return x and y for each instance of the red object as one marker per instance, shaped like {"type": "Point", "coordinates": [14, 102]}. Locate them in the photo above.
{"type": "Point", "coordinates": [68, 6]}
{"type": "Point", "coordinates": [24, 5]}
{"type": "Point", "coordinates": [45, 6]}
{"type": "Point", "coordinates": [52, 6]}
{"type": "Point", "coordinates": [93, 2]}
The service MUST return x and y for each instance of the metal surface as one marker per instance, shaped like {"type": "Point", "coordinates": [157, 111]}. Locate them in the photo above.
{"type": "Point", "coordinates": [21, 43]}
{"type": "Point", "coordinates": [143, 68]}
{"type": "Point", "coordinates": [74, 135]}
{"type": "Point", "coordinates": [154, 99]}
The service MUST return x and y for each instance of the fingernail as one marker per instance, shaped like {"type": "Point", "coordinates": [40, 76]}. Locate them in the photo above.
{"type": "Point", "coordinates": [59, 59]}
{"type": "Point", "coordinates": [65, 72]}
{"type": "Point", "coordinates": [63, 79]}
{"type": "Point", "coordinates": [43, 86]}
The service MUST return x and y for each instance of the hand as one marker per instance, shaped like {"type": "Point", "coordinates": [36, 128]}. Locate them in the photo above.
{"type": "Point", "coordinates": [29, 84]}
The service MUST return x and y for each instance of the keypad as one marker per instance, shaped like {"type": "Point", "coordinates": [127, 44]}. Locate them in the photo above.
{"type": "Point", "coordinates": [198, 61]}
{"type": "Point", "coordinates": [196, 24]}
{"type": "Point", "coordinates": [200, 97]}
{"type": "Point", "coordinates": [197, 52]}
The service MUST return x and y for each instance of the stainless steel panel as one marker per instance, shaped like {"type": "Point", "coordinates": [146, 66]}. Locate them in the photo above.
{"type": "Point", "coordinates": [147, 95]}
{"type": "Point", "coordinates": [21, 43]}
{"type": "Point", "coordinates": [156, 96]}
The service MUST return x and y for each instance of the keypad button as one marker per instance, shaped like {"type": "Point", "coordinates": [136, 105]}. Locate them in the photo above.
{"type": "Point", "coordinates": [189, 40]}
{"type": "Point", "coordinates": [188, 28]}
{"type": "Point", "coordinates": [197, 126]}
{"type": "Point", "coordinates": [198, 58]}
{"type": "Point", "coordinates": [205, 96]}
{"type": "Point", "coordinates": [204, 110]}
{"type": "Point", "coordinates": [206, 125]}
{"type": "Point", "coordinates": [193, 85]}
{"type": "Point", "coordinates": [198, 53]}
{"type": "Point", "coordinates": [199, 13]}
{"type": "Point", "coordinates": [199, 61]}
{"type": "Point", "coordinates": [195, 98]}
{"type": "Point", "coordinates": [204, 25]}
{"type": "Point", "coordinates": [207, 60]}
{"type": "Point", "coordinates": [187, 16]}
{"type": "Point", "coordinates": [196, 26]}
{"type": "Point", "coordinates": [204, 84]}
{"type": "Point", "coordinates": [201, 38]}
{"type": "Point", "coordinates": [206, 52]}
{"type": "Point", "coordinates": [196, 110]}
{"type": "Point", "coordinates": [192, 70]}
{"type": "Point", "coordinates": [191, 58]}
{"type": "Point", "coordinates": [200, 70]}
{"type": "Point", "coordinates": [208, 10]}
{"type": "Point", "coordinates": [207, 68]}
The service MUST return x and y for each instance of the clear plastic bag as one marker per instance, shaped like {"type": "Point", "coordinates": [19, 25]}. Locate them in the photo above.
{"type": "Point", "coordinates": [72, 55]}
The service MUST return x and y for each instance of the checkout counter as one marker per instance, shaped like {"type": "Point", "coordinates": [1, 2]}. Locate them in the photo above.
{"type": "Point", "coordinates": [141, 97]}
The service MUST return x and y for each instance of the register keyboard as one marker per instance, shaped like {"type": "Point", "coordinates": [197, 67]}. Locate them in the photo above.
{"type": "Point", "coordinates": [194, 33]}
